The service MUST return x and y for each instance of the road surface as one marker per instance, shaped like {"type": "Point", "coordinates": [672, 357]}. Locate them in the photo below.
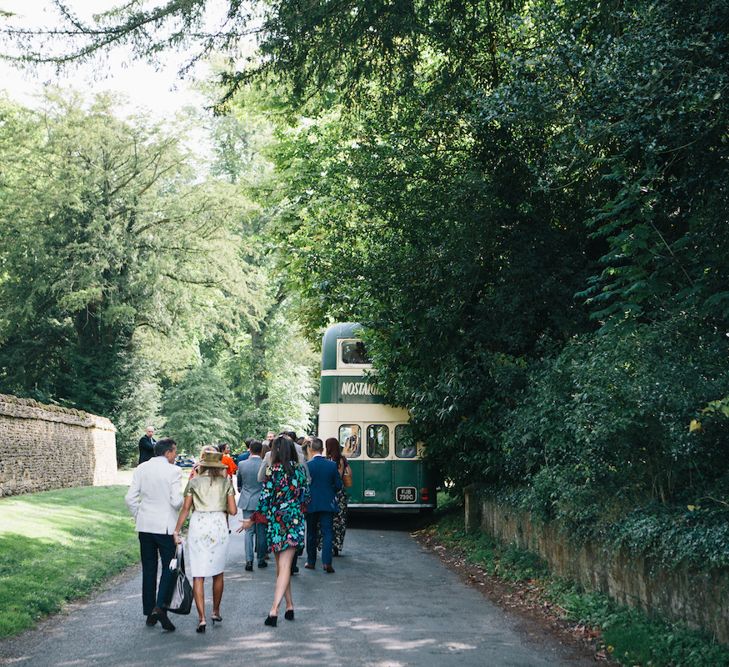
{"type": "Point", "coordinates": [389, 603]}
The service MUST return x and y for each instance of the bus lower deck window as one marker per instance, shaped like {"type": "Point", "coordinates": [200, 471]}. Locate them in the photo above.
{"type": "Point", "coordinates": [378, 441]}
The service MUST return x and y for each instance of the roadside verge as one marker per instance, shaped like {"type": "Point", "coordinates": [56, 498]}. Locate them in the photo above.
{"type": "Point", "coordinates": [519, 581]}
{"type": "Point", "coordinates": [57, 546]}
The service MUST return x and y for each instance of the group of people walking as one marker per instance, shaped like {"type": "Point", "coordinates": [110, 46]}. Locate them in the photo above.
{"type": "Point", "coordinates": [289, 504]}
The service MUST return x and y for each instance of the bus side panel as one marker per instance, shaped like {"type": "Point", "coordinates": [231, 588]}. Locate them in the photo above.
{"type": "Point", "coordinates": [378, 482]}
{"type": "Point", "coordinates": [406, 475]}
{"type": "Point", "coordinates": [356, 491]}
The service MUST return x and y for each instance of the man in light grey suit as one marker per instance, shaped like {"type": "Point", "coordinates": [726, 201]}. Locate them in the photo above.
{"type": "Point", "coordinates": [250, 490]}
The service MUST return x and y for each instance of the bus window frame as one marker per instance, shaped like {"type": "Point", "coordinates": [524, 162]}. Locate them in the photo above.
{"type": "Point", "coordinates": [340, 362]}
{"type": "Point", "coordinates": [415, 456]}
{"type": "Point", "coordinates": [361, 449]}
{"type": "Point", "coordinates": [388, 455]}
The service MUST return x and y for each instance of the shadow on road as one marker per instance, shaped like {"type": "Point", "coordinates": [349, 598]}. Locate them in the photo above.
{"type": "Point", "coordinates": [387, 521]}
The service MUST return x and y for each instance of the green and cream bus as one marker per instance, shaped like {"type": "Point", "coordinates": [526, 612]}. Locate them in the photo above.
{"type": "Point", "coordinates": [387, 470]}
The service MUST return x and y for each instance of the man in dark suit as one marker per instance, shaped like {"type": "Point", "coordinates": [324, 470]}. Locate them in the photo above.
{"type": "Point", "coordinates": [146, 445]}
{"type": "Point", "coordinates": [325, 482]}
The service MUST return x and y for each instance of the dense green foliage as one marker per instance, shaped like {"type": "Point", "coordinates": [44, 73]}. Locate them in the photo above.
{"type": "Point", "coordinates": [526, 205]}
{"type": "Point", "coordinates": [127, 267]}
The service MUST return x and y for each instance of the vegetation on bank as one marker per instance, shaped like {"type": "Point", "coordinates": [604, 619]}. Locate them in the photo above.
{"type": "Point", "coordinates": [627, 635]}
{"type": "Point", "coordinates": [57, 546]}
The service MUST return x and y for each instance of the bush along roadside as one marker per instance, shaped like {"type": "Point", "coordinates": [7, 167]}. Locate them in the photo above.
{"type": "Point", "coordinates": [619, 633]}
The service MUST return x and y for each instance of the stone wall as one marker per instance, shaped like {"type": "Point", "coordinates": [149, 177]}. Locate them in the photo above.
{"type": "Point", "coordinates": [698, 599]}
{"type": "Point", "coordinates": [48, 447]}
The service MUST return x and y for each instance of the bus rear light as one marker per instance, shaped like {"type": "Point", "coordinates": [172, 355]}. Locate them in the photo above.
{"type": "Point", "coordinates": [424, 495]}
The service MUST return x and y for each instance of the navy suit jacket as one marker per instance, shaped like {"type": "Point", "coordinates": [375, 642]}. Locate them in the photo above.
{"type": "Point", "coordinates": [325, 482]}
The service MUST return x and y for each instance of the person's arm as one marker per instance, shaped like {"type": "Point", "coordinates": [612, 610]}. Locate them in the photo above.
{"type": "Point", "coordinates": [181, 519]}
{"type": "Point", "coordinates": [239, 479]}
{"type": "Point", "coordinates": [175, 492]}
{"type": "Point", "coordinates": [262, 470]}
{"type": "Point", "coordinates": [231, 507]}
{"type": "Point", "coordinates": [132, 498]}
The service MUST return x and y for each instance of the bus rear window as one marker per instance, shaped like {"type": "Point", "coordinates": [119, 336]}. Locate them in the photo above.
{"type": "Point", "coordinates": [354, 353]}
{"type": "Point", "coordinates": [405, 447]}
{"type": "Point", "coordinates": [378, 441]}
{"type": "Point", "coordinates": [350, 440]}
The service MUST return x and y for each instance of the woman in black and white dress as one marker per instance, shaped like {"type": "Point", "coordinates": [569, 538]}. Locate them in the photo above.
{"type": "Point", "coordinates": [211, 497]}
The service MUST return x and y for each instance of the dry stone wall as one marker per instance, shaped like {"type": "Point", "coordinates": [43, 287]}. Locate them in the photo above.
{"type": "Point", "coordinates": [699, 599]}
{"type": "Point", "coordinates": [46, 447]}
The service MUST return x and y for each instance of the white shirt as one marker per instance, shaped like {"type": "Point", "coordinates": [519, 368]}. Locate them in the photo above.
{"type": "Point", "coordinates": [155, 497]}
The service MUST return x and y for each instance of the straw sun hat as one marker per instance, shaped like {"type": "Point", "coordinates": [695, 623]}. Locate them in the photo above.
{"type": "Point", "coordinates": [211, 459]}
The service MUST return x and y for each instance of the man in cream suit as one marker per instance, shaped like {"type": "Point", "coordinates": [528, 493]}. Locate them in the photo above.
{"type": "Point", "coordinates": [154, 499]}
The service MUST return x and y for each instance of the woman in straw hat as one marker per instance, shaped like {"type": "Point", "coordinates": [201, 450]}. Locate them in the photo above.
{"type": "Point", "coordinates": [210, 494]}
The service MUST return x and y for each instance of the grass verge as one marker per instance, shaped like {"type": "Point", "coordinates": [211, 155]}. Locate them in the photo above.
{"type": "Point", "coordinates": [58, 545]}
{"type": "Point", "coordinates": [627, 635]}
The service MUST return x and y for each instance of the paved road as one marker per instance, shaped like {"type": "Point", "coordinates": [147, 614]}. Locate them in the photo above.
{"type": "Point", "coordinates": [390, 603]}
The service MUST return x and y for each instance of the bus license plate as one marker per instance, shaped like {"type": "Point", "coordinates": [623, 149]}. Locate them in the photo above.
{"type": "Point", "coordinates": [406, 494]}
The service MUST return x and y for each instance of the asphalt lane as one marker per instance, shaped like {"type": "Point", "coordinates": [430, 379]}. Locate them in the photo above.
{"type": "Point", "coordinates": [389, 603]}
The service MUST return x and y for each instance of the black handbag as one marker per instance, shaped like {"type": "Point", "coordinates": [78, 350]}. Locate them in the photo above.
{"type": "Point", "coordinates": [180, 595]}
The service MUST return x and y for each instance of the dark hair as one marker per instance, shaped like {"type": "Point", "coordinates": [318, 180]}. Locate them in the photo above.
{"type": "Point", "coordinates": [316, 445]}
{"type": "Point", "coordinates": [294, 452]}
{"type": "Point", "coordinates": [161, 447]}
{"type": "Point", "coordinates": [291, 434]}
{"type": "Point", "coordinates": [281, 453]}
{"type": "Point", "coordinates": [334, 451]}
{"type": "Point", "coordinates": [255, 446]}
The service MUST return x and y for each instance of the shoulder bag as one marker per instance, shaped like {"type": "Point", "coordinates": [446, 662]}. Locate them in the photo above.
{"type": "Point", "coordinates": [180, 601]}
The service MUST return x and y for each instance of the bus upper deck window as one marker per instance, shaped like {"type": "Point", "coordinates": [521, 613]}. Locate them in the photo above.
{"type": "Point", "coordinates": [405, 447]}
{"type": "Point", "coordinates": [378, 441]}
{"type": "Point", "coordinates": [354, 353]}
{"type": "Point", "coordinates": [350, 440]}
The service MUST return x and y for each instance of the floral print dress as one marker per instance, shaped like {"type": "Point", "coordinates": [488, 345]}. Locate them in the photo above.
{"type": "Point", "coordinates": [280, 503]}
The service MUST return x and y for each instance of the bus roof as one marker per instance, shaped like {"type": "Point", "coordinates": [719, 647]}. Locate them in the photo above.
{"type": "Point", "coordinates": [329, 344]}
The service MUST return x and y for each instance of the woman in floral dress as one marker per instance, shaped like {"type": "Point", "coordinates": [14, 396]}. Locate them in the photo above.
{"type": "Point", "coordinates": [285, 489]}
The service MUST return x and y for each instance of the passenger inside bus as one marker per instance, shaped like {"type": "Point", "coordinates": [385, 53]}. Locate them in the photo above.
{"type": "Point", "coordinates": [349, 438]}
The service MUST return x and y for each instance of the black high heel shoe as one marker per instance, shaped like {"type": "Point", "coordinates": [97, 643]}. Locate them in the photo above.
{"type": "Point", "coordinates": [201, 627]}
{"type": "Point", "coordinates": [216, 618]}
{"type": "Point", "coordinates": [289, 615]}
{"type": "Point", "coordinates": [271, 620]}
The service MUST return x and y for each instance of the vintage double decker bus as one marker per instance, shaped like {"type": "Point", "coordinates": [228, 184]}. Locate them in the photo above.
{"type": "Point", "coordinates": [388, 473]}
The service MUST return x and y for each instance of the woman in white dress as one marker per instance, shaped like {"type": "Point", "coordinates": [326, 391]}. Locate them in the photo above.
{"type": "Point", "coordinates": [210, 496]}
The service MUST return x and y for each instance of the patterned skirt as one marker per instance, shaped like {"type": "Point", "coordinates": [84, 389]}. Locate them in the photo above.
{"type": "Point", "coordinates": [207, 543]}
{"type": "Point", "coordinates": [340, 523]}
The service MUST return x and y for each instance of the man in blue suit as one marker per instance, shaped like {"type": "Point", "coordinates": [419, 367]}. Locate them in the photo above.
{"type": "Point", "coordinates": [325, 482]}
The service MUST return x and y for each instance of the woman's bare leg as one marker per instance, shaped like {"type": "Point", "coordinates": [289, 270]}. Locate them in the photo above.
{"type": "Point", "coordinates": [283, 577]}
{"type": "Point", "coordinates": [198, 594]}
{"type": "Point", "coordinates": [217, 593]}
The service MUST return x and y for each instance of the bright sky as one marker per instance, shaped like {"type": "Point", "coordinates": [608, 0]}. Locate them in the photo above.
{"type": "Point", "coordinates": [158, 90]}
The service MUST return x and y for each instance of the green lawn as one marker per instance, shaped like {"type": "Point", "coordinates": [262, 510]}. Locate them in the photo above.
{"type": "Point", "coordinates": [58, 545]}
